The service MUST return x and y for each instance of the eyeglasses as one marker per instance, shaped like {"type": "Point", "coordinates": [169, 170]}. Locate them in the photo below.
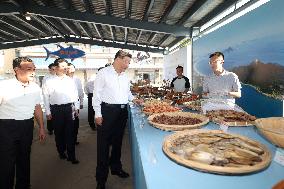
{"type": "Point", "coordinates": [215, 61]}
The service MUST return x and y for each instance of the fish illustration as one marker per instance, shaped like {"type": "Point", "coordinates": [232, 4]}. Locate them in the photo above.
{"type": "Point", "coordinates": [69, 52]}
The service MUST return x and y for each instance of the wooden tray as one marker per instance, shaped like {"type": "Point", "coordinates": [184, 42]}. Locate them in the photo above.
{"type": "Point", "coordinates": [242, 169]}
{"type": "Point", "coordinates": [165, 127]}
{"type": "Point", "coordinates": [220, 120]}
{"type": "Point", "coordinates": [233, 124]}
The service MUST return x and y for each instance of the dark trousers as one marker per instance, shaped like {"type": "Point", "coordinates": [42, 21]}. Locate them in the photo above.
{"type": "Point", "coordinates": [110, 133]}
{"type": "Point", "coordinates": [91, 112]}
{"type": "Point", "coordinates": [63, 124]}
{"type": "Point", "coordinates": [15, 147]}
{"type": "Point", "coordinates": [49, 125]}
{"type": "Point", "coordinates": [76, 127]}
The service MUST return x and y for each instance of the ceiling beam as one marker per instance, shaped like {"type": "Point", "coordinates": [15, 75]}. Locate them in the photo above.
{"type": "Point", "coordinates": [196, 5]}
{"type": "Point", "coordinates": [108, 7]}
{"type": "Point", "coordinates": [8, 8]}
{"type": "Point", "coordinates": [18, 27]}
{"type": "Point", "coordinates": [178, 39]}
{"type": "Point", "coordinates": [128, 5]}
{"type": "Point", "coordinates": [89, 6]}
{"type": "Point", "coordinates": [60, 26]}
{"type": "Point", "coordinates": [148, 8]}
{"type": "Point", "coordinates": [138, 36]}
{"type": "Point", "coordinates": [114, 45]}
{"type": "Point", "coordinates": [67, 4]}
{"type": "Point", "coordinates": [151, 37]}
{"type": "Point", "coordinates": [227, 17]}
{"type": "Point", "coordinates": [72, 27]}
{"type": "Point", "coordinates": [31, 24]}
{"type": "Point", "coordinates": [7, 35]}
{"type": "Point", "coordinates": [98, 31]}
{"type": "Point", "coordinates": [83, 28]}
{"type": "Point", "coordinates": [111, 28]}
{"type": "Point", "coordinates": [216, 11]}
{"type": "Point", "coordinates": [125, 35]}
{"type": "Point", "coordinates": [13, 32]}
{"type": "Point", "coordinates": [30, 43]}
{"type": "Point", "coordinates": [108, 20]}
{"type": "Point", "coordinates": [49, 25]}
{"type": "Point", "coordinates": [163, 39]}
{"type": "Point", "coordinates": [168, 11]}
{"type": "Point", "coordinates": [77, 40]}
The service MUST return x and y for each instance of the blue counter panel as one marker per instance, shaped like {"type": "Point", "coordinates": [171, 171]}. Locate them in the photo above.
{"type": "Point", "coordinates": [153, 169]}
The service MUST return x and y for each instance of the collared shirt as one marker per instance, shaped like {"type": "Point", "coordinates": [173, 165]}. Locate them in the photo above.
{"type": "Point", "coordinates": [59, 90]}
{"type": "Point", "coordinates": [218, 86]}
{"type": "Point", "coordinates": [89, 87]}
{"type": "Point", "coordinates": [18, 100]}
{"type": "Point", "coordinates": [79, 87]}
{"type": "Point", "coordinates": [46, 77]}
{"type": "Point", "coordinates": [180, 84]}
{"type": "Point", "coordinates": [112, 88]}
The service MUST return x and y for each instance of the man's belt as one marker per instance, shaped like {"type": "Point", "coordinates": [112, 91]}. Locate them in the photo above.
{"type": "Point", "coordinates": [114, 105]}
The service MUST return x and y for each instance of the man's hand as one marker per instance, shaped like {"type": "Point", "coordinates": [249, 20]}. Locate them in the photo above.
{"type": "Point", "coordinates": [76, 113]}
{"type": "Point", "coordinates": [49, 117]}
{"type": "Point", "coordinates": [41, 134]}
{"type": "Point", "coordinates": [99, 121]}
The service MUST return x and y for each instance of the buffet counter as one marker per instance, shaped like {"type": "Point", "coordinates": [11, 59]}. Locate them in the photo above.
{"type": "Point", "coordinates": [152, 169]}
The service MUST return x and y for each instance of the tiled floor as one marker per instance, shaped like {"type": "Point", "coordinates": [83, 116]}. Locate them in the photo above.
{"type": "Point", "coordinates": [49, 172]}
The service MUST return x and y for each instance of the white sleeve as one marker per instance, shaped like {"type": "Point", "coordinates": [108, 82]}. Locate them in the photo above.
{"type": "Point", "coordinates": [98, 87]}
{"type": "Point", "coordinates": [80, 91]}
{"type": "Point", "coordinates": [46, 100]}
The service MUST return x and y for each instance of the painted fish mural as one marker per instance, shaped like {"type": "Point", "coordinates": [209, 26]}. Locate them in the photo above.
{"type": "Point", "coordinates": [69, 52]}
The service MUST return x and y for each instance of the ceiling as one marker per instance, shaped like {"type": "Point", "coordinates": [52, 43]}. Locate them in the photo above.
{"type": "Point", "coordinates": [144, 25]}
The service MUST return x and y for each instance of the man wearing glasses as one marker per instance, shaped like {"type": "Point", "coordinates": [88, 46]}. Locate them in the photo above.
{"type": "Point", "coordinates": [222, 86]}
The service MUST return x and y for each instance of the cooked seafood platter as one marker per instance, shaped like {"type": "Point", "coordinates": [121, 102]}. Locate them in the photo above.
{"type": "Point", "coordinates": [175, 121]}
{"type": "Point", "coordinates": [216, 152]}
{"type": "Point", "coordinates": [231, 117]}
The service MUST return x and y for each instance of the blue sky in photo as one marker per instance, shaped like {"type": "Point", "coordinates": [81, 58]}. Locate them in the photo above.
{"type": "Point", "coordinates": [258, 34]}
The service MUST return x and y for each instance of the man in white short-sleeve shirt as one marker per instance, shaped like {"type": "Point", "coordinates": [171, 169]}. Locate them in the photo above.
{"type": "Point", "coordinates": [222, 85]}
{"type": "Point", "coordinates": [19, 104]}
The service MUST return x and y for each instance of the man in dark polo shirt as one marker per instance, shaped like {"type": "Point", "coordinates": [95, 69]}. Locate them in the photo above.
{"type": "Point", "coordinates": [180, 83]}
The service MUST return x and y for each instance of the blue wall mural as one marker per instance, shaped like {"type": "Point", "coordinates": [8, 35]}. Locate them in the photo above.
{"type": "Point", "coordinates": [253, 46]}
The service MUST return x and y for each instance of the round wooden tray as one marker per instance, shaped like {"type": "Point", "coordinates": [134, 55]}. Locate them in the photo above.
{"type": "Point", "coordinates": [165, 127]}
{"type": "Point", "coordinates": [241, 169]}
{"type": "Point", "coordinates": [234, 124]}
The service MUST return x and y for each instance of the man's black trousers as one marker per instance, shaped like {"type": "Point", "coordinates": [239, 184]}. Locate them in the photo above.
{"type": "Point", "coordinates": [15, 147]}
{"type": "Point", "coordinates": [110, 133]}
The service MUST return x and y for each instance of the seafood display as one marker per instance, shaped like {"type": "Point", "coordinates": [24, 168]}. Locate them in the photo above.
{"type": "Point", "coordinates": [193, 105]}
{"type": "Point", "coordinates": [155, 102]}
{"type": "Point", "coordinates": [216, 151]}
{"type": "Point", "coordinates": [177, 120]}
{"type": "Point", "coordinates": [159, 108]}
{"type": "Point", "coordinates": [231, 117]}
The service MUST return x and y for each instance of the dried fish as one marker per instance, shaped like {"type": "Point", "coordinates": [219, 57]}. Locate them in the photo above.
{"type": "Point", "coordinates": [203, 157]}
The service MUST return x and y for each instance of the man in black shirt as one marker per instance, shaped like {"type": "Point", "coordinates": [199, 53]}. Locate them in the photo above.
{"type": "Point", "coordinates": [180, 83]}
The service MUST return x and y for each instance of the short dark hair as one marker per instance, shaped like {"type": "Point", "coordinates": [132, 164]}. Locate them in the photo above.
{"type": "Point", "coordinates": [17, 61]}
{"type": "Point", "coordinates": [70, 64]}
{"type": "Point", "coordinates": [179, 67]}
{"type": "Point", "coordinates": [217, 54]}
{"type": "Point", "coordinates": [122, 54]}
{"type": "Point", "coordinates": [58, 61]}
{"type": "Point", "coordinates": [50, 66]}
{"type": "Point", "coordinates": [108, 64]}
{"type": "Point", "coordinates": [100, 68]}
